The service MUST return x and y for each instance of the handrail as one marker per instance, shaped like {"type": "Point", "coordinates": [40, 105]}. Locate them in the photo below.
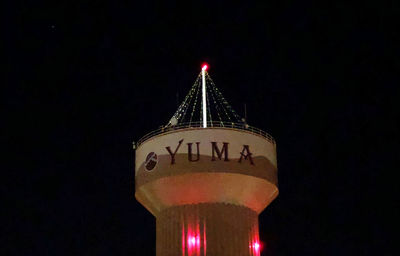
{"type": "Point", "coordinates": [210, 124]}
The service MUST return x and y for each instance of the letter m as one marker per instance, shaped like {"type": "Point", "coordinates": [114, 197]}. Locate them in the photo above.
{"type": "Point", "coordinates": [224, 151]}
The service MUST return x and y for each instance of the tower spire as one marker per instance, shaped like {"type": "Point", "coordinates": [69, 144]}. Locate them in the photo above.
{"type": "Point", "coordinates": [203, 74]}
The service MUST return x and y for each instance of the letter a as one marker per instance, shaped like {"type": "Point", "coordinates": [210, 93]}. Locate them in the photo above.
{"type": "Point", "coordinates": [248, 155]}
{"type": "Point", "coordinates": [173, 154]}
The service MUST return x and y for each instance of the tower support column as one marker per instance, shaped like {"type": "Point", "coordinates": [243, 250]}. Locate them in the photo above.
{"type": "Point", "coordinates": [207, 229]}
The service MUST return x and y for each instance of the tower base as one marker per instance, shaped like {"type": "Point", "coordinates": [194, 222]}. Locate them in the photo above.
{"type": "Point", "coordinates": [207, 229]}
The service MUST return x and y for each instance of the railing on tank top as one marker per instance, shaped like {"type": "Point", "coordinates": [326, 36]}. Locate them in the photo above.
{"type": "Point", "coordinates": [212, 124]}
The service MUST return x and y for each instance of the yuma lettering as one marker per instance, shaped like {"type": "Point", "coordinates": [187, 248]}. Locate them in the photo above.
{"type": "Point", "coordinates": [217, 153]}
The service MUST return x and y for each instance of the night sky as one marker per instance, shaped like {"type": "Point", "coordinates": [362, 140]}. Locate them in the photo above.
{"type": "Point", "coordinates": [83, 80]}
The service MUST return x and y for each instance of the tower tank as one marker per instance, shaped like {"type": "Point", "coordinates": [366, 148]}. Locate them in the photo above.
{"type": "Point", "coordinates": [206, 182]}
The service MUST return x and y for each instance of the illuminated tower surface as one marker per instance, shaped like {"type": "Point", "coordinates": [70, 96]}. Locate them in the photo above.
{"type": "Point", "coordinates": [206, 181]}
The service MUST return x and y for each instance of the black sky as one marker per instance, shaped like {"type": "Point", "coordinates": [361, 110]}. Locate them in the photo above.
{"type": "Point", "coordinates": [85, 79]}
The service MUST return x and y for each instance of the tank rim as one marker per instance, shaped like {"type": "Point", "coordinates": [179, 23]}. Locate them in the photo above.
{"type": "Point", "coordinates": [210, 125]}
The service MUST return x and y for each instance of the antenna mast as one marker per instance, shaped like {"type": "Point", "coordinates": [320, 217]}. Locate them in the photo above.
{"type": "Point", "coordinates": [203, 73]}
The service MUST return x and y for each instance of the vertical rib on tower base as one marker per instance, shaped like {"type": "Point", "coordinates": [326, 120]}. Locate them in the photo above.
{"type": "Point", "coordinates": [207, 229]}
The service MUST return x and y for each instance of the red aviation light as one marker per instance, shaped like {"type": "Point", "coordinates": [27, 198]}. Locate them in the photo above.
{"type": "Point", "coordinates": [204, 67]}
{"type": "Point", "coordinates": [193, 244]}
{"type": "Point", "coordinates": [193, 240]}
{"type": "Point", "coordinates": [255, 248]}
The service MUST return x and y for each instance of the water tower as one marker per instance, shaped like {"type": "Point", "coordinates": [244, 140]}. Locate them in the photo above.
{"type": "Point", "coordinates": [206, 176]}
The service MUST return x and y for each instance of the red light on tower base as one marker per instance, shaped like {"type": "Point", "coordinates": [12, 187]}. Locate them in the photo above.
{"type": "Point", "coordinates": [256, 248]}
{"type": "Point", "coordinates": [192, 242]}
